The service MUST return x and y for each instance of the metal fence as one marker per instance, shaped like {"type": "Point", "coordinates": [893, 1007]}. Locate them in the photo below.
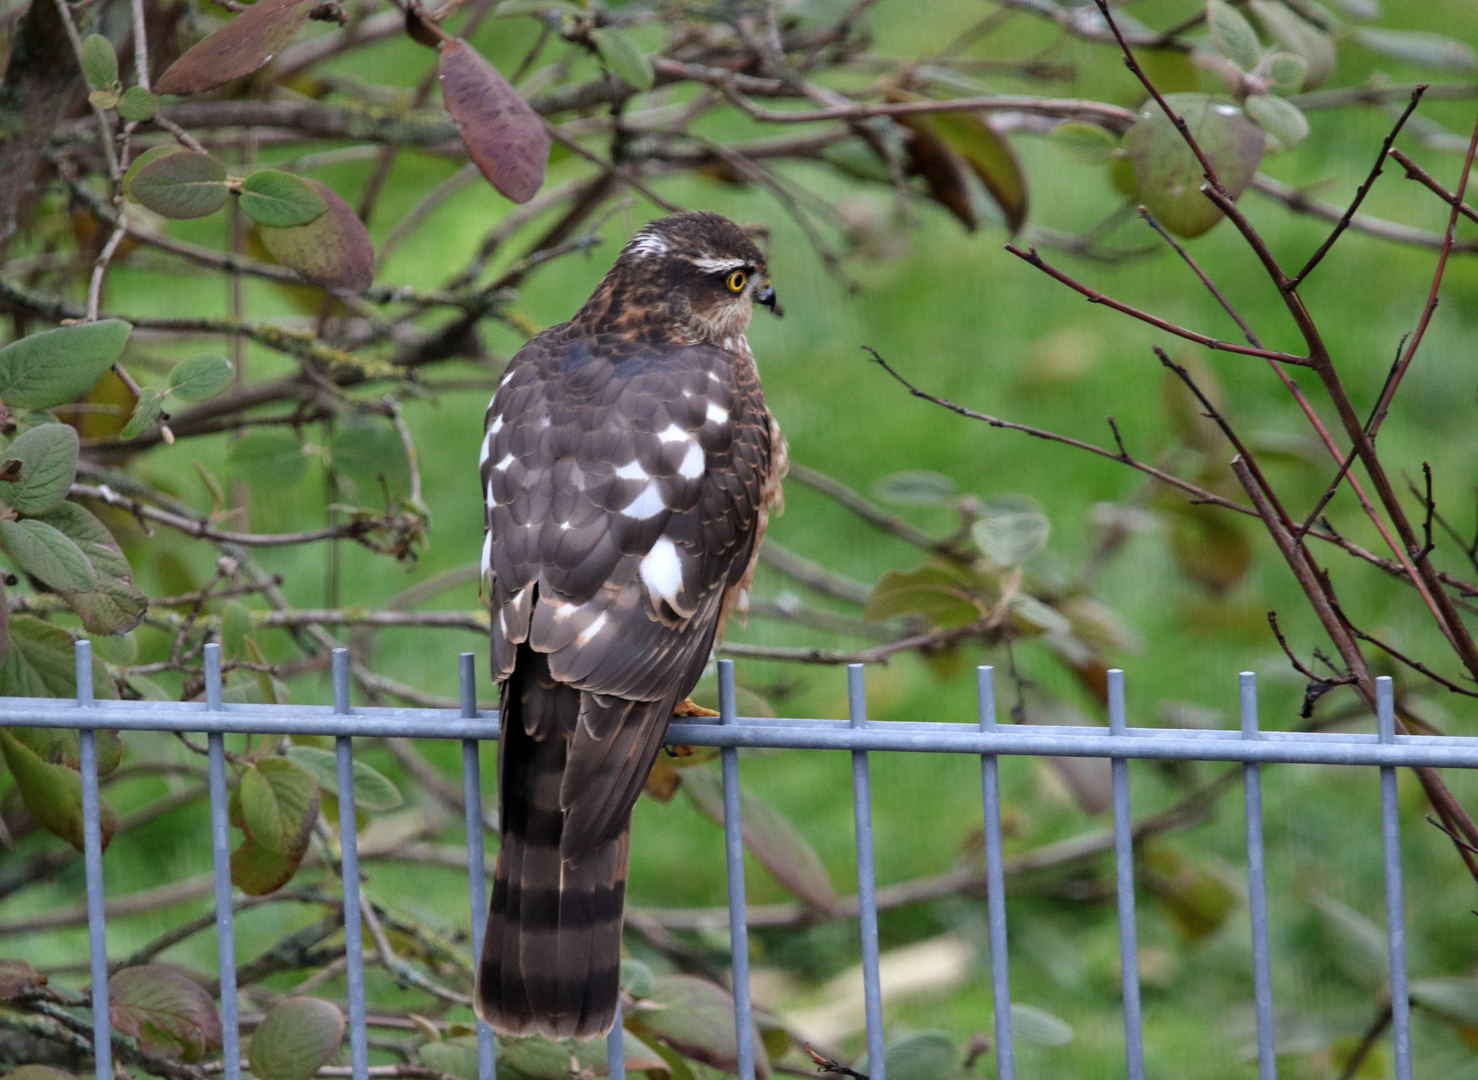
{"type": "Point", "coordinates": [1119, 742]}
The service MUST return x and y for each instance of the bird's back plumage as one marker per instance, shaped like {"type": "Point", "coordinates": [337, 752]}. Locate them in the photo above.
{"type": "Point", "coordinates": [628, 468]}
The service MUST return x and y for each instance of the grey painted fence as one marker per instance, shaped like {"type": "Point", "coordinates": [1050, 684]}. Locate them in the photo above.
{"type": "Point", "coordinates": [1119, 742]}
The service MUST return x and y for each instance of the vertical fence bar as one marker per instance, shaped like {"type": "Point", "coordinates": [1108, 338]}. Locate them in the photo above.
{"type": "Point", "coordinates": [1124, 871]}
{"type": "Point", "coordinates": [995, 880]}
{"type": "Point", "coordinates": [734, 858]}
{"type": "Point", "coordinates": [1385, 711]}
{"type": "Point", "coordinates": [1257, 886]}
{"type": "Point", "coordinates": [92, 850]}
{"type": "Point", "coordinates": [477, 880]}
{"type": "Point", "coordinates": [616, 1047]}
{"type": "Point", "coordinates": [220, 845]}
{"type": "Point", "coordinates": [349, 861]}
{"type": "Point", "coordinates": [867, 903]}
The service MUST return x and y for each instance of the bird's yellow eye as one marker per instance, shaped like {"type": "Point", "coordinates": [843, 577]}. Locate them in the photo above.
{"type": "Point", "coordinates": [736, 281]}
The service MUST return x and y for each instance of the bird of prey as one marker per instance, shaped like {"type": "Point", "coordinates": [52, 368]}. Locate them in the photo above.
{"type": "Point", "coordinates": [629, 468]}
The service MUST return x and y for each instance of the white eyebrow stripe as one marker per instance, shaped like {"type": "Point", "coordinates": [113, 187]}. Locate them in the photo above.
{"type": "Point", "coordinates": [718, 265]}
{"type": "Point", "coordinates": [672, 433]}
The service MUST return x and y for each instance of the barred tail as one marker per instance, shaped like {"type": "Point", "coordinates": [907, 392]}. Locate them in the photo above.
{"type": "Point", "coordinates": [552, 953]}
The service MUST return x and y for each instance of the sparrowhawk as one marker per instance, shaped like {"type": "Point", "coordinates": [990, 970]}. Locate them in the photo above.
{"type": "Point", "coordinates": [629, 468]}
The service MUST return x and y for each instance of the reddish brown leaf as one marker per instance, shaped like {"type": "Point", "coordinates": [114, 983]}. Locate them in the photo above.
{"type": "Point", "coordinates": [505, 137]}
{"type": "Point", "coordinates": [943, 169]}
{"type": "Point", "coordinates": [169, 1015]}
{"type": "Point", "coordinates": [332, 250]}
{"type": "Point", "coordinates": [238, 48]}
{"type": "Point", "coordinates": [16, 977]}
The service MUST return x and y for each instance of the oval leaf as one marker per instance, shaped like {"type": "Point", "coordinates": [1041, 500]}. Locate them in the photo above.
{"type": "Point", "coordinates": [238, 48]}
{"type": "Point", "coordinates": [180, 185]}
{"type": "Point", "coordinates": [924, 1055]}
{"type": "Point", "coordinates": [333, 250]}
{"type": "Point", "coordinates": [48, 465]}
{"type": "Point", "coordinates": [696, 1018]}
{"type": "Point", "coordinates": [268, 456]}
{"type": "Point", "coordinates": [47, 554]}
{"type": "Point", "coordinates": [1297, 36]}
{"type": "Point", "coordinates": [1279, 118]}
{"type": "Point", "coordinates": [373, 790]}
{"type": "Point", "coordinates": [137, 105]}
{"type": "Point", "coordinates": [769, 836]}
{"type": "Point", "coordinates": [279, 804]}
{"type": "Point", "coordinates": [52, 793]}
{"type": "Point", "coordinates": [1424, 50]}
{"type": "Point", "coordinates": [51, 368]}
{"type": "Point", "coordinates": [624, 57]}
{"type": "Point", "coordinates": [40, 661]}
{"type": "Point", "coordinates": [1012, 536]}
{"type": "Point", "coordinates": [201, 378]}
{"type": "Point", "coordinates": [1454, 1000]}
{"type": "Point", "coordinates": [99, 62]}
{"type": "Point", "coordinates": [280, 199]}
{"type": "Point", "coordinates": [504, 136]}
{"type": "Point", "coordinates": [295, 1039]}
{"type": "Point", "coordinates": [1233, 34]}
{"type": "Point", "coordinates": [1033, 1025]}
{"type": "Point", "coordinates": [1166, 172]}
{"type": "Point", "coordinates": [170, 1015]}
{"type": "Point", "coordinates": [154, 153]}
{"type": "Point", "coordinates": [1287, 71]}
{"type": "Point", "coordinates": [113, 605]}
{"type": "Point", "coordinates": [149, 408]}
{"type": "Point", "coordinates": [1088, 143]}
{"type": "Point", "coordinates": [916, 487]}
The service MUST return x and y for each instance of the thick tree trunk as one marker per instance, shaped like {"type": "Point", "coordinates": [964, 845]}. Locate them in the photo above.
{"type": "Point", "coordinates": [41, 85]}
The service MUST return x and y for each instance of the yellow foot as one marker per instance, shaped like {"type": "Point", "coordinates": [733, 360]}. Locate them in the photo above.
{"type": "Point", "coordinates": [685, 707]}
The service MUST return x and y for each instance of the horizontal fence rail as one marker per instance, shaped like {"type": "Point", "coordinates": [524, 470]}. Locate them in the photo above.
{"type": "Point", "coordinates": [1119, 742]}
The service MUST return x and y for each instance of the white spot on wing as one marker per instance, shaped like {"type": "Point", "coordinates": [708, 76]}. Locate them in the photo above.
{"type": "Point", "coordinates": [496, 426]}
{"type": "Point", "coordinates": [490, 499]}
{"type": "Point", "coordinates": [646, 505]}
{"type": "Point", "coordinates": [717, 414]}
{"type": "Point", "coordinates": [487, 554]}
{"type": "Point", "coordinates": [672, 433]}
{"type": "Point", "coordinates": [544, 423]}
{"type": "Point", "coordinates": [662, 571]}
{"type": "Point", "coordinates": [632, 470]}
{"type": "Point", "coordinates": [487, 446]}
{"type": "Point", "coordinates": [590, 631]}
{"type": "Point", "coordinates": [693, 461]}
{"type": "Point", "coordinates": [504, 463]}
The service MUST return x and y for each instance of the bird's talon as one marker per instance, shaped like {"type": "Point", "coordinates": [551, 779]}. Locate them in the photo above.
{"type": "Point", "coordinates": [679, 751]}
{"type": "Point", "coordinates": [685, 707]}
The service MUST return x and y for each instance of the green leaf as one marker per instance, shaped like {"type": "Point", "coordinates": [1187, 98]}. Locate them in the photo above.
{"type": "Point", "coordinates": [40, 662]}
{"type": "Point", "coordinates": [942, 592]}
{"type": "Point", "coordinates": [46, 553]}
{"type": "Point", "coordinates": [1033, 1025]}
{"type": "Point", "coordinates": [48, 465]}
{"type": "Point", "coordinates": [1088, 143]}
{"type": "Point", "coordinates": [268, 456]}
{"type": "Point", "coordinates": [295, 1039]}
{"type": "Point", "coordinates": [149, 408]}
{"type": "Point", "coordinates": [1233, 34]}
{"type": "Point", "coordinates": [1166, 172]}
{"type": "Point", "coordinates": [99, 62]}
{"type": "Point", "coordinates": [147, 688]}
{"type": "Point", "coordinates": [201, 378]}
{"type": "Point", "coordinates": [256, 870]}
{"type": "Point", "coordinates": [1196, 899]}
{"type": "Point", "coordinates": [114, 604]}
{"type": "Point", "coordinates": [916, 487]}
{"type": "Point", "coordinates": [38, 1072]}
{"type": "Point", "coordinates": [1358, 946]}
{"type": "Point", "coordinates": [52, 793]}
{"type": "Point", "coordinates": [51, 368]}
{"type": "Point", "coordinates": [624, 57]}
{"type": "Point", "coordinates": [1297, 36]}
{"type": "Point", "coordinates": [333, 250]}
{"type": "Point", "coordinates": [455, 1057]}
{"type": "Point", "coordinates": [103, 99]}
{"type": "Point", "coordinates": [1210, 547]}
{"type": "Point", "coordinates": [769, 835]}
{"type": "Point", "coordinates": [180, 185]}
{"type": "Point", "coordinates": [1454, 1000]}
{"type": "Point", "coordinates": [924, 1055]}
{"type": "Point", "coordinates": [137, 104]}
{"type": "Point", "coordinates": [1279, 118]}
{"type": "Point", "coordinates": [373, 790]}
{"type": "Point", "coordinates": [279, 804]}
{"type": "Point", "coordinates": [280, 199]}
{"type": "Point", "coordinates": [696, 1018]}
{"type": "Point", "coordinates": [368, 449]}
{"type": "Point", "coordinates": [1287, 72]}
{"type": "Point", "coordinates": [1011, 534]}
{"type": "Point", "coordinates": [235, 626]}
{"type": "Point", "coordinates": [154, 153]}
{"type": "Point", "coordinates": [1421, 49]}
{"type": "Point", "coordinates": [170, 1016]}
{"type": "Point", "coordinates": [990, 158]}
{"type": "Point", "coordinates": [62, 746]}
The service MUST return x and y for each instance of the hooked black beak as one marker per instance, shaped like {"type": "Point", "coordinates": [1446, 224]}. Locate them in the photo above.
{"type": "Point", "coordinates": [766, 296]}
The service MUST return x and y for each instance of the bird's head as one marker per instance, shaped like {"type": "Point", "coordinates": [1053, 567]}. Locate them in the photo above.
{"type": "Point", "coordinates": [695, 276]}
